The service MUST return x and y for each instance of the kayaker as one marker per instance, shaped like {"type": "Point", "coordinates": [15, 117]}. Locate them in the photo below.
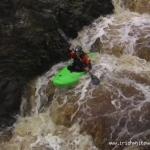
{"type": "Point", "coordinates": [81, 61]}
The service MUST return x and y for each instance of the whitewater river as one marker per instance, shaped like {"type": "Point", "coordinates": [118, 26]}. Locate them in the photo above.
{"type": "Point", "coordinates": [89, 117]}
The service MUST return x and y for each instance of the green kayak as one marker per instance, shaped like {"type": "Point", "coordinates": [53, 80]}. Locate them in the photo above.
{"type": "Point", "coordinates": [67, 79]}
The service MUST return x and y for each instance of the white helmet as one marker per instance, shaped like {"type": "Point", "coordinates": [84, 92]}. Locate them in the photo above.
{"type": "Point", "coordinates": [78, 49]}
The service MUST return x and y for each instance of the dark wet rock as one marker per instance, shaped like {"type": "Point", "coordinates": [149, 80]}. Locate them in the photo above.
{"type": "Point", "coordinates": [79, 13]}
{"type": "Point", "coordinates": [97, 46]}
{"type": "Point", "coordinates": [10, 100]}
{"type": "Point", "coordinates": [30, 42]}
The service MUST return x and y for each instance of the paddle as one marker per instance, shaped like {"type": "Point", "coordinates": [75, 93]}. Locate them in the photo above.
{"type": "Point", "coordinates": [94, 78]}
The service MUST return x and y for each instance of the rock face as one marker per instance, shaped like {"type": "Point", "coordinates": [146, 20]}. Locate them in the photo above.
{"type": "Point", "coordinates": [30, 41]}
{"type": "Point", "coordinates": [73, 15]}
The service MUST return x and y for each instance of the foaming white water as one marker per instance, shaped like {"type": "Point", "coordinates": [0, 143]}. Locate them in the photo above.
{"type": "Point", "coordinates": [41, 86]}
{"type": "Point", "coordinates": [123, 30]}
{"type": "Point", "coordinates": [119, 6]}
{"type": "Point", "coordinates": [44, 134]}
{"type": "Point", "coordinates": [128, 112]}
{"type": "Point", "coordinates": [72, 141]}
{"type": "Point", "coordinates": [90, 33]}
{"type": "Point", "coordinates": [108, 64]}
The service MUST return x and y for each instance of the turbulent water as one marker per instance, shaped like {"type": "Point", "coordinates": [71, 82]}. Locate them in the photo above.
{"type": "Point", "coordinates": [124, 76]}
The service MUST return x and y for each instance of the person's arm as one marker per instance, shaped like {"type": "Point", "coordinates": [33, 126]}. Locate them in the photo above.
{"type": "Point", "coordinates": [87, 63]}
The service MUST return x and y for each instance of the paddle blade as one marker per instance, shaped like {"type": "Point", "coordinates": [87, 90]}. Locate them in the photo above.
{"type": "Point", "coordinates": [95, 79]}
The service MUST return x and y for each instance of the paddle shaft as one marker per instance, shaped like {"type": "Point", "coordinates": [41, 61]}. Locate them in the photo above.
{"type": "Point", "coordinates": [94, 78]}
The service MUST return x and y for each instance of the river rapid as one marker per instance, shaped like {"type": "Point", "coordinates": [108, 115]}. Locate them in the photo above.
{"type": "Point", "coordinates": [89, 117]}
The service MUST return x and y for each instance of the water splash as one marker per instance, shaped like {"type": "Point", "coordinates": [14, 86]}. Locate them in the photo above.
{"type": "Point", "coordinates": [131, 108]}
{"type": "Point", "coordinates": [42, 133]}
{"type": "Point", "coordinates": [123, 31]}
{"type": "Point", "coordinates": [119, 6]}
